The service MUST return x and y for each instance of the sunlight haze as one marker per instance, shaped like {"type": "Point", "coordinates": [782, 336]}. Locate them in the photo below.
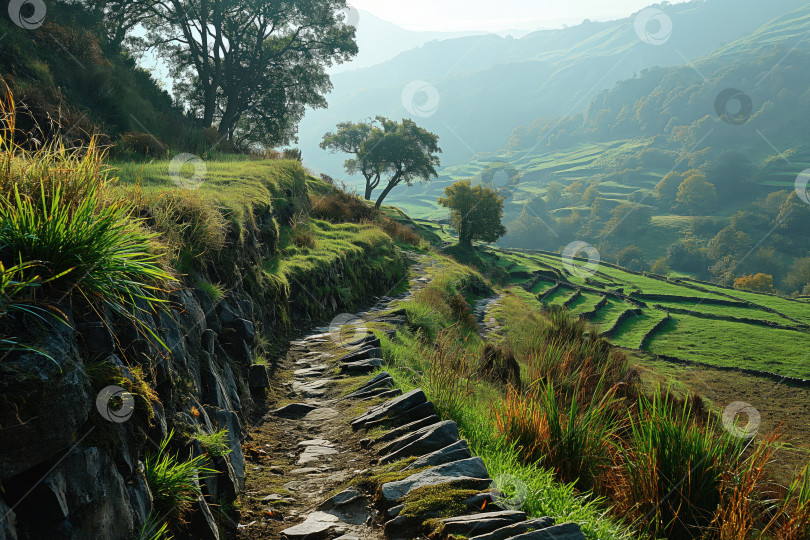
{"type": "Point", "coordinates": [457, 15]}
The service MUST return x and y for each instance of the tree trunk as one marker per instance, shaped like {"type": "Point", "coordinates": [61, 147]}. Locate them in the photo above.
{"type": "Point", "coordinates": [384, 194]}
{"type": "Point", "coordinates": [369, 191]}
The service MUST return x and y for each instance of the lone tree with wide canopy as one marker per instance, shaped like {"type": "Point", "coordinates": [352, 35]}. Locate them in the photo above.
{"type": "Point", "coordinates": [476, 212]}
{"type": "Point", "coordinates": [386, 150]}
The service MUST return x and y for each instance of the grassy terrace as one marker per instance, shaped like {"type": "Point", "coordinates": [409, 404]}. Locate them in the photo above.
{"type": "Point", "coordinates": [712, 333]}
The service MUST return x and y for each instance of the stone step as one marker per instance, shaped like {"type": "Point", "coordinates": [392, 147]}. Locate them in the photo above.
{"type": "Point", "coordinates": [361, 367]}
{"type": "Point", "coordinates": [420, 442]}
{"type": "Point", "coordinates": [482, 523]}
{"type": "Point", "coordinates": [472, 469]}
{"type": "Point", "coordinates": [453, 452]}
{"type": "Point", "coordinates": [511, 531]}
{"type": "Point", "coordinates": [391, 408]}
{"type": "Point", "coordinates": [294, 410]}
{"type": "Point", "coordinates": [403, 430]}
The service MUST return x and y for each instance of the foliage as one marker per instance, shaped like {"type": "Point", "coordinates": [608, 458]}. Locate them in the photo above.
{"type": "Point", "coordinates": [403, 152]}
{"type": "Point", "coordinates": [476, 212]}
{"type": "Point", "coordinates": [256, 69]}
{"type": "Point", "coordinates": [174, 483]}
{"type": "Point", "coordinates": [216, 443]}
{"type": "Point", "coordinates": [758, 282]}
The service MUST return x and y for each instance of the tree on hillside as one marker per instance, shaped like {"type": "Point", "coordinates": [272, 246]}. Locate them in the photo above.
{"type": "Point", "coordinates": [628, 219]}
{"type": "Point", "coordinates": [667, 188]}
{"type": "Point", "coordinates": [633, 258]}
{"type": "Point", "coordinates": [696, 195]}
{"type": "Point", "coordinates": [476, 212]}
{"type": "Point", "coordinates": [758, 282]}
{"type": "Point", "coordinates": [250, 67]}
{"type": "Point", "coordinates": [402, 151]}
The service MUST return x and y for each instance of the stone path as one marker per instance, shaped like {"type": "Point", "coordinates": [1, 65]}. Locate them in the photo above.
{"type": "Point", "coordinates": [345, 455]}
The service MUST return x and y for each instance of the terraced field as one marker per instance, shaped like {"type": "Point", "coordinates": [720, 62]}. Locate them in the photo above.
{"type": "Point", "coordinates": [675, 319]}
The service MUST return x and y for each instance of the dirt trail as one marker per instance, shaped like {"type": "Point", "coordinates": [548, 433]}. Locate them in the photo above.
{"type": "Point", "coordinates": [304, 451]}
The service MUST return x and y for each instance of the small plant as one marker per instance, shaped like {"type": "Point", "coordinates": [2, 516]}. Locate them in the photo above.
{"type": "Point", "coordinates": [154, 529]}
{"type": "Point", "coordinates": [215, 291]}
{"type": "Point", "coordinates": [216, 443]}
{"type": "Point", "coordinates": [174, 483]}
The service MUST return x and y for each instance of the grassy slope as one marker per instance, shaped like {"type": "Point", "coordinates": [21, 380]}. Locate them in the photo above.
{"type": "Point", "coordinates": [724, 343]}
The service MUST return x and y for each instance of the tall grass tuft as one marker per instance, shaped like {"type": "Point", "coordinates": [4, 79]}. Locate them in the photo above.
{"type": "Point", "coordinates": [673, 468]}
{"type": "Point", "coordinates": [174, 483]}
{"type": "Point", "coordinates": [64, 234]}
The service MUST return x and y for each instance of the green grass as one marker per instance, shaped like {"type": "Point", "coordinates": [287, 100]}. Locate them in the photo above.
{"type": "Point", "coordinates": [632, 332]}
{"type": "Point", "coordinates": [216, 443]}
{"type": "Point", "coordinates": [732, 344]}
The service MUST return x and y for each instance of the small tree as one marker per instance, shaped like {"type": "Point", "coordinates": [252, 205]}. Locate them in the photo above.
{"type": "Point", "coordinates": [696, 195]}
{"type": "Point", "coordinates": [403, 152]}
{"type": "Point", "coordinates": [757, 282]}
{"type": "Point", "coordinates": [633, 258]}
{"type": "Point", "coordinates": [476, 212]}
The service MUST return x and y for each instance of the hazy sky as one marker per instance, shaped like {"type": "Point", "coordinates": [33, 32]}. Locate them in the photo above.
{"type": "Point", "coordinates": [497, 15]}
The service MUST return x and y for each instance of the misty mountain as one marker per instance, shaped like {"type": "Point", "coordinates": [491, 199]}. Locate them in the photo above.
{"type": "Point", "coordinates": [487, 85]}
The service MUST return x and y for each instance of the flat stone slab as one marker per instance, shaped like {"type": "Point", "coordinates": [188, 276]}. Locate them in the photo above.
{"type": "Point", "coordinates": [362, 366]}
{"type": "Point", "coordinates": [453, 452]}
{"type": "Point", "coordinates": [362, 354]}
{"type": "Point", "coordinates": [312, 454]}
{"type": "Point", "coordinates": [321, 414]}
{"type": "Point", "coordinates": [345, 497]}
{"type": "Point", "coordinates": [510, 531]}
{"type": "Point", "coordinates": [317, 525]}
{"type": "Point", "coordinates": [294, 410]}
{"type": "Point", "coordinates": [311, 389]}
{"type": "Point", "coordinates": [315, 442]}
{"type": "Point", "coordinates": [563, 531]}
{"type": "Point", "coordinates": [465, 469]}
{"type": "Point", "coordinates": [391, 408]}
{"type": "Point", "coordinates": [480, 523]}
{"type": "Point", "coordinates": [314, 371]}
{"type": "Point", "coordinates": [420, 442]}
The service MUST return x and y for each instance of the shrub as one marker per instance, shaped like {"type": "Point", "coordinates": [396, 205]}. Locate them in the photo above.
{"type": "Point", "coordinates": [174, 483]}
{"type": "Point", "coordinates": [498, 364]}
{"type": "Point", "coordinates": [142, 145]}
{"type": "Point", "coordinates": [292, 153]}
{"type": "Point", "coordinates": [758, 283]}
{"type": "Point", "coordinates": [341, 207]}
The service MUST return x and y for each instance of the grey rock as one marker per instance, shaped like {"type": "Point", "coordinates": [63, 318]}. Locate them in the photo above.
{"type": "Point", "coordinates": [43, 404]}
{"type": "Point", "coordinates": [511, 531]}
{"type": "Point", "coordinates": [422, 441]}
{"type": "Point", "coordinates": [245, 329]}
{"type": "Point", "coordinates": [230, 421]}
{"type": "Point", "coordinates": [345, 497]}
{"type": "Point", "coordinates": [391, 408]}
{"type": "Point", "coordinates": [8, 522]}
{"type": "Point", "coordinates": [480, 523]}
{"type": "Point", "coordinates": [293, 410]}
{"type": "Point", "coordinates": [140, 498]}
{"type": "Point", "coordinates": [362, 354]}
{"type": "Point", "coordinates": [258, 377]}
{"type": "Point", "coordinates": [465, 469]}
{"type": "Point", "coordinates": [202, 525]}
{"type": "Point", "coordinates": [317, 525]}
{"type": "Point", "coordinates": [563, 531]}
{"type": "Point", "coordinates": [311, 389]}
{"type": "Point", "coordinates": [207, 340]}
{"type": "Point", "coordinates": [230, 387]}
{"type": "Point", "coordinates": [420, 411]}
{"type": "Point", "coordinates": [453, 452]}
{"type": "Point", "coordinates": [407, 428]}
{"type": "Point", "coordinates": [322, 414]}
{"type": "Point", "coordinates": [380, 380]}
{"type": "Point", "coordinates": [362, 367]}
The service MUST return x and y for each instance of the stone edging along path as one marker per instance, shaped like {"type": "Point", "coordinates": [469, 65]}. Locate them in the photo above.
{"type": "Point", "coordinates": [351, 457]}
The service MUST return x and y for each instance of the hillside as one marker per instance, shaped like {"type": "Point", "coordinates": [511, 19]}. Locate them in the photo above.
{"type": "Point", "coordinates": [489, 85]}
